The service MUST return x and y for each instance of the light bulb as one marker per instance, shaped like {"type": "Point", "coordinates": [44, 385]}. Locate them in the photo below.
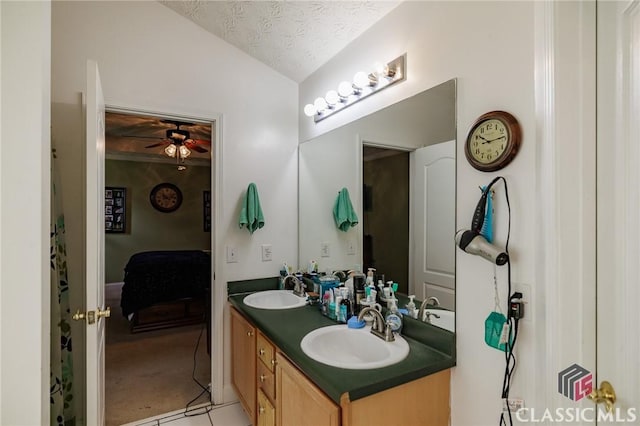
{"type": "Point", "coordinates": [184, 151]}
{"type": "Point", "coordinates": [320, 104]}
{"type": "Point", "coordinates": [170, 150]}
{"type": "Point", "coordinates": [345, 89]}
{"type": "Point", "coordinates": [309, 110]}
{"type": "Point", "coordinates": [361, 80]}
{"type": "Point", "coordinates": [379, 68]}
{"type": "Point", "coordinates": [332, 97]}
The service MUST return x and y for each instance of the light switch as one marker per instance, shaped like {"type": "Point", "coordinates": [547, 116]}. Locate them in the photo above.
{"type": "Point", "coordinates": [232, 254]}
{"type": "Point", "coordinates": [266, 252]}
{"type": "Point", "coordinates": [324, 249]}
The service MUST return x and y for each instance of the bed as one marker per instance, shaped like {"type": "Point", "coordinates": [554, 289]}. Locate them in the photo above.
{"type": "Point", "coordinates": [165, 289]}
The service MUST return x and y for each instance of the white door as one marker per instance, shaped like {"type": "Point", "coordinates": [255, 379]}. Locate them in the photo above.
{"type": "Point", "coordinates": [618, 201]}
{"type": "Point", "coordinates": [94, 263]}
{"type": "Point", "coordinates": [433, 204]}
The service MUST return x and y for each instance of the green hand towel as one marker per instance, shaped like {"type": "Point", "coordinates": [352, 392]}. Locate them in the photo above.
{"type": "Point", "coordinates": [343, 212]}
{"type": "Point", "coordinates": [251, 212]}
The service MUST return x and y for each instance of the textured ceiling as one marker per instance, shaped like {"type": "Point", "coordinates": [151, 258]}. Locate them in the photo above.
{"type": "Point", "coordinates": [292, 37]}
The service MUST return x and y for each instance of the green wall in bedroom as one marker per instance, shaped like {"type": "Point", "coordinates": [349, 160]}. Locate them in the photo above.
{"type": "Point", "coordinates": [147, 228]}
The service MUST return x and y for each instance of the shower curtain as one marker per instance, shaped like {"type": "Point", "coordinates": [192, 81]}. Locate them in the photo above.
{"type": "Point", "coordinates": [61, 391]}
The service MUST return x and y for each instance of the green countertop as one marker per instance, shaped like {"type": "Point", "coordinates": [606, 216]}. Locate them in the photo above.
{"type": "Point", "coordinates": [286, 328]}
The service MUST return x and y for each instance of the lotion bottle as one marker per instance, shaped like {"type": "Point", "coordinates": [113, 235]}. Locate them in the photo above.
{"type": "Point", "coordinates": [394, 317]}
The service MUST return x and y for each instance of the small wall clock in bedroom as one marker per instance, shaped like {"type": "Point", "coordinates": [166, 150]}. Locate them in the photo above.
{"type": "Point", "coordinates": [493, 141]}
{"type": "Point", "coordinates": [165, 197]}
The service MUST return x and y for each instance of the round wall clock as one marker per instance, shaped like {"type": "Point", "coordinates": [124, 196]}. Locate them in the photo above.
{"type": "Point", "coordinates": [165, 197]}
{"type": "Point", "coordinates": [493, 141]}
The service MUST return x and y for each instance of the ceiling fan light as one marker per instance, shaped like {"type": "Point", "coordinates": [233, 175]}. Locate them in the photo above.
{"type": "Point", "coordinates": [170, 150]}
{"type": "Point", "coordinates": [184, 151]}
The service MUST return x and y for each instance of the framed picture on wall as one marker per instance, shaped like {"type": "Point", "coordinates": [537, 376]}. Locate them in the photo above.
{"type": "Point", "coordinates": [115, 202]}
{"type": "Point", "coordinates": [206, 210]}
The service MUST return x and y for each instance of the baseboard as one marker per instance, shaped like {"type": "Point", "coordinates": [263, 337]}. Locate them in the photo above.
{"type": "Point", "coordinates": [228, 395]}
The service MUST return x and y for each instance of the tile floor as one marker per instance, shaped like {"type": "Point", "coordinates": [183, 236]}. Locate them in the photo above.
{"type": "Point", "coordinates": [206, 415]}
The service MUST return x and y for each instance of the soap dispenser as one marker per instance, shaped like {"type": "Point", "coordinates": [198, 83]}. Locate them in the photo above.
{"type": "Point", "coordinates": [411, 307]}
{"type": "Point", "coordinates": [394, 318]}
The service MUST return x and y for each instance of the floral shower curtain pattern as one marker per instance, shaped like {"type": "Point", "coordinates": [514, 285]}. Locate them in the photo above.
{"type": "Point", "coordinates": [61, 391]}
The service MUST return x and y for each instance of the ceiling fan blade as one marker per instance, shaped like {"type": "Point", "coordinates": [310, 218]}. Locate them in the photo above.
{"type": "Point", "coordinates": [201, 142]}
{"type": "Point", "coordinates": [193, 144]}
{"type": "Point", "coordinates": [139, 137]}
{"type": "Point", "coordinates": [155, 145]}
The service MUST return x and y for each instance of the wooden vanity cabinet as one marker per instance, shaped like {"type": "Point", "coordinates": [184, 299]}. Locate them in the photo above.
{"type": "Point", "coordinates": [274, 391]}
{"type": "Point", "coordinates": [300, 402]}
{"type": "Point", "coordinates": [243, 362]}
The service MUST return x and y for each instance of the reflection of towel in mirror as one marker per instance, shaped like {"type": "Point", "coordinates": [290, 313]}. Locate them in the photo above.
{"type": "Point", "coordinates": [251, 212]}
{"type": "Point", "coordinates": [343, 212]}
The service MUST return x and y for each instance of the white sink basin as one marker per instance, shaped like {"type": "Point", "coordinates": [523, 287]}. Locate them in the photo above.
{"type": "Point", "coordinates": [351, 348]}
{"type": "Point", "coordinates": [274, 299]}
{"type": "Point", "coordinates": [447, 319]}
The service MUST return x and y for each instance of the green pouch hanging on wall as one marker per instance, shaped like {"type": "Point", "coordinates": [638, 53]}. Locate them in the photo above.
{"type": "Point", "coordinates": [493, 329]}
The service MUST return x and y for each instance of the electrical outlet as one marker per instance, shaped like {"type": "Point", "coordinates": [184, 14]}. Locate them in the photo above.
{"type": "Point", "coordinates": [232, 254]}
{"type": "Point", "coordinates": [525, 289]}
{"type": "Point", "coordinates": [266, 252]}
{"type": "Point", "coordinates": [351, 247]}
{"type": "Point", "coordinates": [324, 249]}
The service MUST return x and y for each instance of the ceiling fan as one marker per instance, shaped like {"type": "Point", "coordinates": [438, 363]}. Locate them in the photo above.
{"type": "Point", "coordinates": [178, 138]}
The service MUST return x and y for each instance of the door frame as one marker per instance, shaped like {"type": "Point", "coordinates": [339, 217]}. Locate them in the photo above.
{"type": "Point", "coordinates": [377, 143]}
{"type": "Point", "coordinates": [218, 295]}
{"type": "Point", "coordinates": [565, 141]}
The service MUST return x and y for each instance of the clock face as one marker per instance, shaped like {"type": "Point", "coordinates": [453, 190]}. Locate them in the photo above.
{"type": "Point", "coordinates": [489, 141]}
{"type": "Point", "coordinates": [166, 197]}
{"type": "Point", "coordinates": [493, 141]}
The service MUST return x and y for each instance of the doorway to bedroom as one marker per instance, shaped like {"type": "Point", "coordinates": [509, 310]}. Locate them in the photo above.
{"type": "Point", "coordinates": [158, 222]}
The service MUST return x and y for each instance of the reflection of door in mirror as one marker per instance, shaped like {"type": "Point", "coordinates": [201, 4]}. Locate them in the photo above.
{"type": "Point", "coordinates": [385, 213]}
{"type": "Point", "coordinates": [434, 171]}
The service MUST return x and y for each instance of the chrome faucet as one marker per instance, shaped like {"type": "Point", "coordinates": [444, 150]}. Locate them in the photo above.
{"type": "Point", "coordinates": [431, 301]}
{"type": "Point", "coordinates": [298, 285]}
{"type": "Point", "coordinates": [380, 327]}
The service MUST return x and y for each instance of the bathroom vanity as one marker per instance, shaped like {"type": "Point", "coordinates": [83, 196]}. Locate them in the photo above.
{"type": "Point", "coordinates": [278, 384]}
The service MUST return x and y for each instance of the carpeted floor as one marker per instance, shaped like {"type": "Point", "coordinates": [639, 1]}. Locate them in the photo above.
{"type": "Point", "coordinates": [150, 373]}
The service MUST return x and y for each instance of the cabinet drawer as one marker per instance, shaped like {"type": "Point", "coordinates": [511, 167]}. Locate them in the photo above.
{"type": "Point", "coordinates": [266, 381]}
{"type": "Point", "coordinates": [266, 352]}
{"type": "Point", "coordinates": [266, 411]}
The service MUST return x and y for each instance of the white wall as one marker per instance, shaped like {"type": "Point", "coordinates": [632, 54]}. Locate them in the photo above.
{"type": "Point", "coordinates": [152, 58]}
{"type": "Point", "coordinates": [24, 216]}
{"type": "Point", "coordinates": [489, 48]}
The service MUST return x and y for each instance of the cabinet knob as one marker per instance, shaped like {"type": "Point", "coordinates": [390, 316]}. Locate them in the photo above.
{"type": "Point", "coordinates": [249, 333]}
{"type": "Point", "coordinates": [261, 352]}
{"type": "Point", "coordinates": [262, 377]}
{"type": "Point", "coordinates": [261, 410]}
{"type": "Point", "coordinates": [273, 362]}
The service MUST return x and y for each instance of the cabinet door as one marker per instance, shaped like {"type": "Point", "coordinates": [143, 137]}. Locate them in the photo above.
{"type": "Point", "coordinates": [266, 413]}
{"type": "Point", "coordinates": [243, 362]}
{"type": "Point", "coordinates": [300, 403]}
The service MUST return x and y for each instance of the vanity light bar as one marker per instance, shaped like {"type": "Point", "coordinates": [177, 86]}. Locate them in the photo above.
{"type": "Point", "coordinates": [363, 85]}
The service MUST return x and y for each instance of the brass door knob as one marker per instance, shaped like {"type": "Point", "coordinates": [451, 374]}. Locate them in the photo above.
{"type": "Point", "coordinates": [103, 314]}
{"type": "Point", "coordinates": [605, 394]}
{"type": "Point", "coordinates": [78, 316]}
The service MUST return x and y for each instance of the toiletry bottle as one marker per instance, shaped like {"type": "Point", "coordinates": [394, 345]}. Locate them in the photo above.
{"type": "Point", "coordinates": [411, 307]}
{"type": "Point", "coordinates": [370, 274]}
{"type": "Point", "coordinates": [394, 317]}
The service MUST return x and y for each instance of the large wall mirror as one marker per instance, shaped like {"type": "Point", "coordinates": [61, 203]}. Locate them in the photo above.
{"type": "Point", "coordinates": [398, 165]}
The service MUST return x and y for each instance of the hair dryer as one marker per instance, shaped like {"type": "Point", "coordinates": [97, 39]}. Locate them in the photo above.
{"type": "Point", "coordinates": [474, 243]}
